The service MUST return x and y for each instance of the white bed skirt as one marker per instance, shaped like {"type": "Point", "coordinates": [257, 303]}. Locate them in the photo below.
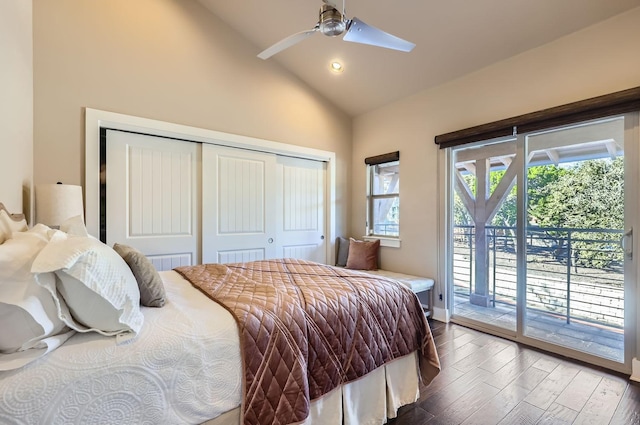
{"type": "Point", "coordinates": [369, 400]}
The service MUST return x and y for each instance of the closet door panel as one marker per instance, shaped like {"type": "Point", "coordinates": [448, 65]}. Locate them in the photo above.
{"type": "Point", "coordinates": [300, 215]}
{"type": "Point", "coordinates": [152, 197]}
{"type": "Point", "coordinates": [238, 215]}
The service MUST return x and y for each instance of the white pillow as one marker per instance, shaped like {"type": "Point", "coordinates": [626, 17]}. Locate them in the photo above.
{"type": "Point", "coordinates": [95, 283]}
{"type": "Point", "coordinates": [9, 225]}
{"type": "Point", "coordinates": [28, 313]}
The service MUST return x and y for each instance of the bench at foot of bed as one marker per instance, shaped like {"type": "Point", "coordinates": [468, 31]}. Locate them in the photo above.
{"type": "Point", "coordinates": [422, 286]}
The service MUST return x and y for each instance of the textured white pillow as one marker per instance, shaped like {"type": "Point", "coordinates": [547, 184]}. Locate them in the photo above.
{"type": "Point", "coordinates": [9, 225]}
{"type": "Point", "coordinates": [95, 283]}
{"type": "Point", "coordinates": [28, 313]}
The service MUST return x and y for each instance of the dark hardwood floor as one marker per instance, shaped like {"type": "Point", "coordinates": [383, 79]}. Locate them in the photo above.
{"type": "Point", "coordinates": [488, 380]}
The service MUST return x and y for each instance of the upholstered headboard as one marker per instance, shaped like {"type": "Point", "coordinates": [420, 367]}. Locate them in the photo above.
{"type": "Point", "coordinates": [16, 217]}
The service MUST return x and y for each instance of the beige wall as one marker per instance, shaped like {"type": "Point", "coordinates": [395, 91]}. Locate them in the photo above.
{"type": "Point", "coordinates": [598, 60]}
{"type": "Point", "coordinates": [16, 105]}
{"type": "Point", "coordinates": [168, 60]}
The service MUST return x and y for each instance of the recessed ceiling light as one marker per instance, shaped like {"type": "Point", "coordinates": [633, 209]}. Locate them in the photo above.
{"type": "Point", "coordinates": [336, 66]}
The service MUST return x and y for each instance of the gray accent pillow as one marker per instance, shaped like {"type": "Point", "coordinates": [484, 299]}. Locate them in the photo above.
{"type": "Point", "coordinates": [152, 292]}
{"type": "Point", "coordinates": [342, 251]}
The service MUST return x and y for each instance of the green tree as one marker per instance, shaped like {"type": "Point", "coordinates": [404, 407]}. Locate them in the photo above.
{"type": "Point", "coordinates": [589, 195]}
{"type": "Point", "coordinates": [507, 212]}
{"type": "Point", "coordinates": [540, 181]}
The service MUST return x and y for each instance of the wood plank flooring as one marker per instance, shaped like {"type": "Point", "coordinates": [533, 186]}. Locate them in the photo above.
{"type": "Point", "coordinates": [487, 380]}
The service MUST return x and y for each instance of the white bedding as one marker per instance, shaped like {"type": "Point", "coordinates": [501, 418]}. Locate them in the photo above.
{"type": "Point", "coordinates": [183, 367]}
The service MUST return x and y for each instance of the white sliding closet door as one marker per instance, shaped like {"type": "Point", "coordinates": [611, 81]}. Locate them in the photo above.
{"type": "Point", "coordinates": [258, 206]}
{"type": "Point", "coordinates": [184, 203]}
{"type": "Point", "coordinates": [238, 205]}
{"type": "Point", "coordinates": [152, 197]}
{"type": "Point", "coordinates": [300, 209]}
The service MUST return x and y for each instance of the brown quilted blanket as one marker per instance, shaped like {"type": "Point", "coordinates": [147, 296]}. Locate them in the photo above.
{"type": "Point", "coordinates": [307, 328]}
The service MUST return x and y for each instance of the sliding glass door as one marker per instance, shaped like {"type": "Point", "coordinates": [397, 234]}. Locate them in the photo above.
{"type": "Point", "coordinates": [484, 233]}
{"type": "Point", "coordinates": [575, 221]}
{"type": "Point", "coordinates": [542, 238]}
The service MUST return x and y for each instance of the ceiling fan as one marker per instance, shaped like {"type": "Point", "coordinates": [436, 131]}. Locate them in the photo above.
{"type": "Point", "coordinates": [332, 23]}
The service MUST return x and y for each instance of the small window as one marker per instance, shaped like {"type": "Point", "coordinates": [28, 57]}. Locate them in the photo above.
{"type": "Point", "coordinates": [383, 206]}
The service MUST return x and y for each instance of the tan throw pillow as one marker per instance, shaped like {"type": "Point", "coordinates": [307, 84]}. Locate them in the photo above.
{"type": "Point", "coordinates": [152, 292]}
{"type": "Point", "coordinates": [363, 255]}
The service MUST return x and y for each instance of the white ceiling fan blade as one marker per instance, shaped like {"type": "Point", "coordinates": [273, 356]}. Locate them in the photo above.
{"type": "Point", "coordinates": [359, 32]}
{"type": "Point", "coordinates": [286, 43]}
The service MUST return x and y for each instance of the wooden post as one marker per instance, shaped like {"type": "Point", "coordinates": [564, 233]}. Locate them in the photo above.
{"type": "Point", "coordinates": [480, 295]}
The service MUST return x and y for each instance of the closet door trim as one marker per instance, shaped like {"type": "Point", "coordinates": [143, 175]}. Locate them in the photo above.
{"type": "Point", "coordinates": [96, 119]}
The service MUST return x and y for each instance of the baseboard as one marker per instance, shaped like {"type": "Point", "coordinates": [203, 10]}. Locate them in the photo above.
{"type": "Point", "coordinates": [635, 369]}
{"type": "Point", "coordinates": [441, 314]}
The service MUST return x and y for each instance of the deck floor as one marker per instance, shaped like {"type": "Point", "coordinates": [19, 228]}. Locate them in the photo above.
{"type": "Point", "coordinates": [597, 339]}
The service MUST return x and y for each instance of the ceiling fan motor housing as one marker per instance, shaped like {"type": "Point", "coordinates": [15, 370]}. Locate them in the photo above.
{"type": "Point", "coordinates": [331, 21]}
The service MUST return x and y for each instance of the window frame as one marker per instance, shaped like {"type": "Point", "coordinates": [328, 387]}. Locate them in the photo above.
{"type": "Point", "coordinates": [372, 163]}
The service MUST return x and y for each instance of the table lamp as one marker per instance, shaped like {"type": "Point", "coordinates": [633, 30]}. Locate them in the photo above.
{"type": "Point", "coordinates": [56, 203]}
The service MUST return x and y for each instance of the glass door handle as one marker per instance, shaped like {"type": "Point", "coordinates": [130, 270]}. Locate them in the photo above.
{"type": "Point", "coordinates": [626, 242]}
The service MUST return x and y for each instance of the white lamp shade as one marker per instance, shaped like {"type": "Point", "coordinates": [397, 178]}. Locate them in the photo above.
{"type": "Point", "coordinates": [56, 203]}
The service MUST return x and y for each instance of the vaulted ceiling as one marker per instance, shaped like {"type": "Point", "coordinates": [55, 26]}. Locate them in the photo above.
{"type": "Point", "coordinates": [452, 37]}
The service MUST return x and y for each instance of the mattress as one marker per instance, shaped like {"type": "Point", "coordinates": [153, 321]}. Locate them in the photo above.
{"type": "Point", "coordinates": [184, 367]}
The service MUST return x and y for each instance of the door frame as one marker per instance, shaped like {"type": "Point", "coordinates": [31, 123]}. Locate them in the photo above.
{"type": "Point", "coordinates": [96, 119]}
{"type": "Point", "coordinates": [631, 364]}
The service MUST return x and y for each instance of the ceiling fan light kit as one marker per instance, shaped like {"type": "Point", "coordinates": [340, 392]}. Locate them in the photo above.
{"type": "Point", "coordinates": [332, 23]}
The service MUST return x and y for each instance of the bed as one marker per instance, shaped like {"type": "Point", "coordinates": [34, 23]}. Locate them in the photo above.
{"type": "Point", "coordinates": [184, 363]}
